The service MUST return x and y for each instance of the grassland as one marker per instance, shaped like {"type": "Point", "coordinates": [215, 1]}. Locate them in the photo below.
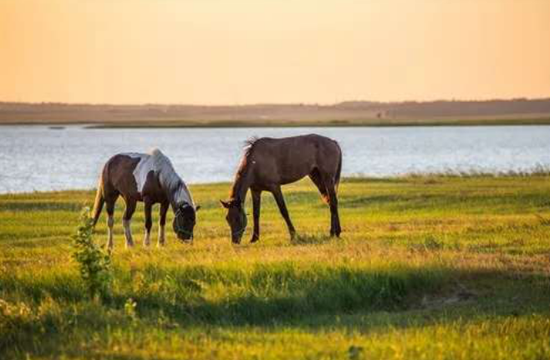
{"type": "Point", "coordinates": [429, 267]}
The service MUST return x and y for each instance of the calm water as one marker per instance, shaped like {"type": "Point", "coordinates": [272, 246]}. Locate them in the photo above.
{"type": "Point", "coordinates": [38, 158]}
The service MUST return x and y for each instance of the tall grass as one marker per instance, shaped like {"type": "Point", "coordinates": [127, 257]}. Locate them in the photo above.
{"type": "Point", "coordinates": [427, 267]}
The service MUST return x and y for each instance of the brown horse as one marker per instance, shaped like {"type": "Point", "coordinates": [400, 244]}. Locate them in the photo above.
{"type": "Point", "coordinates": [269, 163]}
{"type": "Point", "coordinates": [149, 178]}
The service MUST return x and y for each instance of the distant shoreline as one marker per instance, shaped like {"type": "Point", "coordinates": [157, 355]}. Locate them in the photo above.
{"type": "Point", "coordinates": [350, 113]}
{"type": "Point", "coordinates": [298, 124]}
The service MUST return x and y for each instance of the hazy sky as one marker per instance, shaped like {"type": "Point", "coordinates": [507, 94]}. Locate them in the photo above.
{"type": "Point", "coordinates": [252, 51]}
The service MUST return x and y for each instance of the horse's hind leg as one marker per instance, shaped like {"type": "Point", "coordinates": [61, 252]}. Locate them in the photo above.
{"type": "Point", "coordinates": [315, 176]}
{"type": "Point", "coordinates": [278, 194]}
{"type": "Point", "coordinates": [335, 228]}
{"type": "Point", "coordinates": [126, 220]}
{"type": "Point", "coordinates": [110, 207]}
{"type": "Point", "coordinates": [328, 192]}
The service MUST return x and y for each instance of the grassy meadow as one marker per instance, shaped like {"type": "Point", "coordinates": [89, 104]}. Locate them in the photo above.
{"type": "Point", "coordinates": [428, 267]}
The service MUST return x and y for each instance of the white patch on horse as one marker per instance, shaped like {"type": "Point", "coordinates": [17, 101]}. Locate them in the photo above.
{"type": "Point", "coordinates": [143, 168]}
{"type": "Point", "coordinates": [156, 161]}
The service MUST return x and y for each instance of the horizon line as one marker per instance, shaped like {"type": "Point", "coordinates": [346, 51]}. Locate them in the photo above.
{"type": "Point", "coordinates": [275, 103]}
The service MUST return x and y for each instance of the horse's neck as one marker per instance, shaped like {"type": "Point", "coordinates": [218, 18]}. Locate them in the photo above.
{"type": "Point", "coordinates": [175, 189]}
{"type": "Point", "coordinates": [242, 184]}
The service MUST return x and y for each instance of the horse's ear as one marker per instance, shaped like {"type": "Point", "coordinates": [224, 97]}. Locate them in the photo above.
{"type": "Point", "coordinates": [197, 208]}
{"type": "Point", "coordinates": [225, 204]}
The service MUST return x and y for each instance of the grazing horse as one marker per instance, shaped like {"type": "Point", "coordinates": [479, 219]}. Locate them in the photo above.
{"type": "Point", "coordinates": [269, 163]}
{"type": "Point", "coordinates": [150, 178]}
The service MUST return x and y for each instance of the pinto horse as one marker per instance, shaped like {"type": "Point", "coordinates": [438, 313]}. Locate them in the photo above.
{"type": "Point", "coordinates": [269, 163]}
{"type": "Point", "coordinates": [150, 178]}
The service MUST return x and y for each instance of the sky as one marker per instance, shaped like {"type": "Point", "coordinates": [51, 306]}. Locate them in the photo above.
{"type": "Point", "coordinates": [272, 51]}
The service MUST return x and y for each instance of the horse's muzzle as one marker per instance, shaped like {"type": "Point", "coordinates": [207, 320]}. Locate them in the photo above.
{"type": "Point", "coordinates": [186, 238]}
{"type": "Point", "coordinates": [236, 236]}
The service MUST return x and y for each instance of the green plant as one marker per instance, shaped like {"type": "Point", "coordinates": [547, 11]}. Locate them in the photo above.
{"type": "Point", "coordinates": [94, 262]}
{"type": "Point", "coordinates": [130, 309]}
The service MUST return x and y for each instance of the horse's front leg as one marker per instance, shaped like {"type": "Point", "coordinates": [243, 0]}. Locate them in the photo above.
{"type": "Point", "coordinates": [278, 195]}
{"type": "Point", "coordinates": [256, 203]}
{"type": "Point", "coordinates": [162, 221]}
{"type": "Point", "coordinates": [148, 206]}
{"type": "Point", "coordinates": [127, 219]}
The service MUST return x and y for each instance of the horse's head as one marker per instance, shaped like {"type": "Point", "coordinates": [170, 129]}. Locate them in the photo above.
{"type": "Point", "coordinates": [184, 221]}
{"type": "Point", "coordinates": [236, 218]}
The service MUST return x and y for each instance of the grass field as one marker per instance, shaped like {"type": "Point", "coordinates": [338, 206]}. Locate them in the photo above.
{"type": "Point", "coordinates": [428, 267]}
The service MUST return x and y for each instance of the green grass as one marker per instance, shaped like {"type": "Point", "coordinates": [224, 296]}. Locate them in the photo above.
{"type": "Point", "coordinates": [428, 267]}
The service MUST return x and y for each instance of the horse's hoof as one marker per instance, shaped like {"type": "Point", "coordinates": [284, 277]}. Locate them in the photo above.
{"type": "Point", "coordinates": [254, 239]}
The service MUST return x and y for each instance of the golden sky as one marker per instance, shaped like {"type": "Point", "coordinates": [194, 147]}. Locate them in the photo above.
{"type": "Point", "coordinates": [258, 51]}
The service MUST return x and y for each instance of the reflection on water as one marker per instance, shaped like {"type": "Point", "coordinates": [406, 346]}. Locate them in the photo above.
{"type": "Point", "coordinates": [41, 158]}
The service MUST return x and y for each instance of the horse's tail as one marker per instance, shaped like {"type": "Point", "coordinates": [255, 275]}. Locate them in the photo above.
{"type": "Point", "coordinates": [339, 170]}
{"type": "Point", "coordinates": [98, 203]}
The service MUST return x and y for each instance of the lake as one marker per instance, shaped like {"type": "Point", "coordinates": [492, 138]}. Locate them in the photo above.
{"type": "Point", "coordinates": [38, 158]}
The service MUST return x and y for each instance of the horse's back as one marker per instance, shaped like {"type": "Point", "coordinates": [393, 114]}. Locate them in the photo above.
{"type": "Point", "coordinates": [122, 163]}
{"type": "Point", "coordinates": [328, 154]}
{"type": "Point", "coordinates": [292, 158]}
{"type": "Point", "coordinates": [296, 143]}
{"type": "Point", "coordinates": [118, 173]}
{"type": "Point", "coordinates": [311, 147]}
{"type": "Point", "coordinates": [138, 176]}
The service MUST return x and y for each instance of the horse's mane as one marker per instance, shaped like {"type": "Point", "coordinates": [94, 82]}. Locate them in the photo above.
{"type": "Point", "coordinates": [161, 161]}
{"type": "Point", "coordinates": [241, 171]}
{"type": "Point", "coordinates": [249, 145]}
{"type": "Point", "coordinates": [169, 177]}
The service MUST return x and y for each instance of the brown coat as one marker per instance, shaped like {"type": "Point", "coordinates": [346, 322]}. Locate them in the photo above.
{"type": "Point", "coordinates": [269, 163]}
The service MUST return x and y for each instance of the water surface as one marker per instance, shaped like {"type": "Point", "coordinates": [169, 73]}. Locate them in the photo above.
{"type": "Point", "coordinates": [39, 158]}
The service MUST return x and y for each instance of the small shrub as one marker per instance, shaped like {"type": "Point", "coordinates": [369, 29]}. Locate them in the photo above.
{"type": "Point", "coordinates": [94, 263]}
{"type": "Point", "coordinates": [130, 308]}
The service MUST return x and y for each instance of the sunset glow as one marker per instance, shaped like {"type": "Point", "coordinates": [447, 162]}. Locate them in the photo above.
{"type": "Point", "coordinates": [257, 51]}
